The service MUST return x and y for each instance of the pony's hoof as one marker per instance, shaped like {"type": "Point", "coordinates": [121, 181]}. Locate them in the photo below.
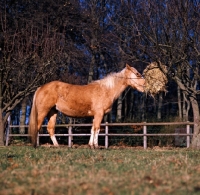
{"type": "Point", "coordinates": [56, 146]}
{"type": "Point", "coordinates": [91, 147]}
{"type": "Point", "coordinates": [96, 146]}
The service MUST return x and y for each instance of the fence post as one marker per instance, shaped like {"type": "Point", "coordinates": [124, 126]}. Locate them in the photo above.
{"type": "Point", "coordinates": [188, 136]}
{"type": "Point", "coordinates": [145, 137]}
{"type": "Point", "coordinates": [7, 130]}
{"type": "Point", "coordinates": [106, 135]}
{"type": "Point", "coordinates": [70, 136]}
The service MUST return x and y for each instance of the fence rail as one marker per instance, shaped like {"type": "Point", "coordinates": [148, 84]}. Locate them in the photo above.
{"type": "Point", "coordinates": [106, 125]}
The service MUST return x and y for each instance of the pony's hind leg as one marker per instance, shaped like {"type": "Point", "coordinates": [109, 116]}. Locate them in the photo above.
{"type": "Point", "coordinates": [51, 125]}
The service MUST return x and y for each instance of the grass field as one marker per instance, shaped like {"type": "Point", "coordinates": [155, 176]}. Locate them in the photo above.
{"type": "Point", "coordinates": [49, 171]}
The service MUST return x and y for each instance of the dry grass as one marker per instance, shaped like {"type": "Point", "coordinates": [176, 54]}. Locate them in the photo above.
{"type": "Point", "coordinates": [24, 170]}
{"type": "Point", "coordinates": [155, 79]}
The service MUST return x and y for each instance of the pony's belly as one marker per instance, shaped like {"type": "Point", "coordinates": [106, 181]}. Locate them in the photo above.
{"type": "Point", "coordinates": [74, 111]}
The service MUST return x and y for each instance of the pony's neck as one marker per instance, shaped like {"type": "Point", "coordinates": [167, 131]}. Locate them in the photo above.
{"type": "Point", "coordinates": [120, 84]}
{"type": "Point", "coordinates": [115, 83]}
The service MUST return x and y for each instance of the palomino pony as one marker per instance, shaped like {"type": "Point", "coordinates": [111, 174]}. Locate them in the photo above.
{"type": "Point", "coordinates": [94, 99]}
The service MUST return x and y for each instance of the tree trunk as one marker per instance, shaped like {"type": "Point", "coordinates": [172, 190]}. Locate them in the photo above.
{"type": "Point", "coordinates": [186, 107]}
{"type": "Point", "coordinates": [23, 116]}
{"type": "Point", "coordinates": [130, 113]}
{"type": "Point", "coordinates": [179, 103]}
{"type": "Point", "coordinates": [142, 107]}
{"type": "Point", "coordinates": [1, 113]}
{"type": "Point", "coordinates": [91, 72]}
{"type": "Point", "coordinates": [159, 106]}
{"type": "Point", "coordinates": [126, 107]}
{"type": "Point", "coordinates": [1, 129]}
{"type": "Point", "coordinates": [108, 117]}
{"type": "Point", "coordinates": [119, 109]}
{"type": "Point", "coordinates": [63, 118]}
{"type": "Point", "coordinates": [196, 135]}
{"type": "Point", "coordinates": [93, 61]}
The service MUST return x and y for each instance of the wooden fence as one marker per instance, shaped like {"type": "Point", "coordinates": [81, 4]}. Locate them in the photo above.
{"type": "Point", "coordinates": [106, 126]}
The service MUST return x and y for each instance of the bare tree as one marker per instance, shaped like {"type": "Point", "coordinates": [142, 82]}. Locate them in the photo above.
{"type": "Point", "coordinates": [168, 32]}
{"type": "Point", "coordinates": [33, 50]}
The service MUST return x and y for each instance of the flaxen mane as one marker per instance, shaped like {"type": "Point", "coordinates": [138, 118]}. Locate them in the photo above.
{"type": "Point", "coordinates": [110, 80]}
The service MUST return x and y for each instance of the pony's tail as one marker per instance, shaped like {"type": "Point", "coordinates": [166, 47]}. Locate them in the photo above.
{"type": "Point", "coordinates": [33, 123]}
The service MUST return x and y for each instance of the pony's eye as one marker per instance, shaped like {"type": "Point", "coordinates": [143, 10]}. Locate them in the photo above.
{"type": "Point", "coordinates": [138, 74]}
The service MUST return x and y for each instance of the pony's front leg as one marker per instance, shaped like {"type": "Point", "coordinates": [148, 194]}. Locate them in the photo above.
{"type": "Point", "coordinates": [96, 134]}
{"type": "Point", "coordinates": [91, 142]}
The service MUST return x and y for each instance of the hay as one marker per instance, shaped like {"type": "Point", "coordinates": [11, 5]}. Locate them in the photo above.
{"type": "Point", "coordinates": [155, 79]}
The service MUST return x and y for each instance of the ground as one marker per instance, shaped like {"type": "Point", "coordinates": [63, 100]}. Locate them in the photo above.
{"type": "Point", "coordinates": [117, 170]}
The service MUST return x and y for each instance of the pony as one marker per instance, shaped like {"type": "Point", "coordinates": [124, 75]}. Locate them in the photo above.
{"type": "Point", "coordinates": [92, 100]}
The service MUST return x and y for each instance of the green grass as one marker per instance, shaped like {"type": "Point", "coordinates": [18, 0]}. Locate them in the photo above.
{"type": "Point", "coordinates": [121, 171]}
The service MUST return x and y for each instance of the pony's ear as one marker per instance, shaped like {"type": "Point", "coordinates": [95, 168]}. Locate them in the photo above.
{"type": "Point", "coordinates": [127, 66]}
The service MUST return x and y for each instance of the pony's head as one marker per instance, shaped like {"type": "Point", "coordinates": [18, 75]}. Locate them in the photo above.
{"type": "Point", "coordinates": [134, 78]}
